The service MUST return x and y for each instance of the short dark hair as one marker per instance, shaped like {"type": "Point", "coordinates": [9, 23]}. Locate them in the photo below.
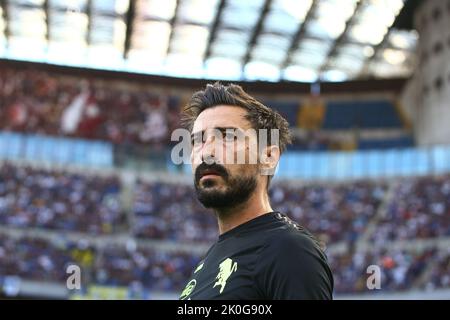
{"type": "Point", "coordinates": [260, 116]}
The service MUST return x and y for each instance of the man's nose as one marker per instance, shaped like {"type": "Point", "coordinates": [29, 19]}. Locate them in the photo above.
{"type": "Point", "coordinates": [208, 150]}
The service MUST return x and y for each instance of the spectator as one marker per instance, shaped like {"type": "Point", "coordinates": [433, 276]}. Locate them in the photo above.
{"type": "Point", "coordinates": [420, 209]}
{"type": "Point", "coordinates": [59, 200]}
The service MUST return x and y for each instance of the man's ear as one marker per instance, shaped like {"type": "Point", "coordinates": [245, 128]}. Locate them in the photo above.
{"type": "Point", "coordinates": [269, 159]}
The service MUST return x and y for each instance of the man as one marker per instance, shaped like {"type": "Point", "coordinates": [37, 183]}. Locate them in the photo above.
{"type": "Point", "coordinates": [260, 253]}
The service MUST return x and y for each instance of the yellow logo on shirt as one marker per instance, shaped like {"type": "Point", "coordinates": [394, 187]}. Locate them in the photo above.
{"type": "Point", "coordinates": [198, 268]}
{"type": "Point", "coordinates": [188, 290]}
{"type": "Point", "coordinates": [226, 268]}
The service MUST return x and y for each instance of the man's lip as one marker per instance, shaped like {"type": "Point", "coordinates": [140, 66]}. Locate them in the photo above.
{"type": "Point", "coordinates": [209, 175]}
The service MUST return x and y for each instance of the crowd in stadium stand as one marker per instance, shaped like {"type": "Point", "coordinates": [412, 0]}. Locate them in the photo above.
{"type": "Point", "coordinates": [74, 202]}
{"type": "Point", "coordinates": [151, 269]}
{"type": "Point", "coordinates": [440, 273]}
{"type": "Point", "coordinates": [399, 269]}
{"type": "Point", "coordinates": [420, 209]}
{"type": "Point", "coordinates": [156, 270]}
{"type": "Point", "coordinates": [113, 265]}
{"type": "Point", "coordinates": [171, 212]}
{"type": "Point", "coordinates": [33, 101]}
{"type": "Point", "coordinates": [62, 201]}
{"type": "Point", "coordinates": [32, 259]}
{"type": "Point", "coordinates": [40, 102]}
{"type": "Point", "coordinates": [166, 211]}
{"type": "Point", "coordinates": [59, 200]}
{"type": "Point", "coordinates": [333, 213]}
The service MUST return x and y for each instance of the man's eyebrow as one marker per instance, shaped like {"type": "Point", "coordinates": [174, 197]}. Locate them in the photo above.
{"type": "Point", "coordinates": [221, 129]}
{"type": "Point", "coordinates": [224, 129]}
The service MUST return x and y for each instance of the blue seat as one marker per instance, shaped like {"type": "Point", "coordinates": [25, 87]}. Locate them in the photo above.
{"type": "Point", "coordinates": [373, 144]}
{"type": "Point", "coordinates": [361, 114]}
{"type": "Point", "coordinates": [288, 109]}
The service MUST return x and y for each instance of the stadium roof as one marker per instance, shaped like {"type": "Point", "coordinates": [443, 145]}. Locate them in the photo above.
{"type": "Point", "coordinates": [272, 40]}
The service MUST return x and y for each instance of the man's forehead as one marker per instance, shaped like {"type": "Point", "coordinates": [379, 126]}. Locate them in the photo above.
{"type": "Point", "coordinates": [221, 116]}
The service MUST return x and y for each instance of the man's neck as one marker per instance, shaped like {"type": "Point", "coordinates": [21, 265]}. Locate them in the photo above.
{"type": "Point", "coordinates": [229, 218]}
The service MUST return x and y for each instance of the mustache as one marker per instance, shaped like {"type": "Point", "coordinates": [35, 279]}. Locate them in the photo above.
{"type": "Point", "coordinates": [219, 169]}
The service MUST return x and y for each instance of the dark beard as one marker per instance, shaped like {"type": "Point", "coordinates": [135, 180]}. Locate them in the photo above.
{"type": "Point", "coordinates": [238, 191]}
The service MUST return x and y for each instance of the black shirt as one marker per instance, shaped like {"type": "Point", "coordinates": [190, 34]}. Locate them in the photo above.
{"type": "Point", "coordinates": [269, 257]}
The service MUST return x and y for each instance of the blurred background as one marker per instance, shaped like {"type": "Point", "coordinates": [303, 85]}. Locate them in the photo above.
{"type": "Point", "coordinates": [91, 90]}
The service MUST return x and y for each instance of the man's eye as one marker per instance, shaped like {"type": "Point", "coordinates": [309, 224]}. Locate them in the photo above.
{"type": "Point", "coordinates": [197, 139]}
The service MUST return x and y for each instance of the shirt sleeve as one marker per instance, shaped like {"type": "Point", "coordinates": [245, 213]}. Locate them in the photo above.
{"type": "Point", "coordinates": [292, 267]}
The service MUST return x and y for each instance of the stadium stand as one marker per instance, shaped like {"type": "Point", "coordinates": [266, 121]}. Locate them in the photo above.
{"type": "Point", "coordinates": [439, 276]}
{"type": "Point", "coordinates": [85, 174]}
{"type": "Point", "coordinates": [420, 209]}
{"type": "Point", "coordinates": [59, 200]}
{"type": "Point", "coordinates": [361, 114]}
{"type": "Point", "coordinates": [392, 143]}
{"type": "Point", "coordinates": [351, 218]}
{"type": "Point", "coordinates": [158, 215]}
{"type": "Point", "coordinates": [168, 211]}
{"type": "Point", "coordinates": [112, 265]}
{"type": "Point", "coordinates": [401, 269]}
{"type": "Point", "coordinates": [42, 102]}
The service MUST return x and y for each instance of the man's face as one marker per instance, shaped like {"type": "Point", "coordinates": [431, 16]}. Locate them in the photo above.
{"type": "Point", "coordinates": [227, 182]}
